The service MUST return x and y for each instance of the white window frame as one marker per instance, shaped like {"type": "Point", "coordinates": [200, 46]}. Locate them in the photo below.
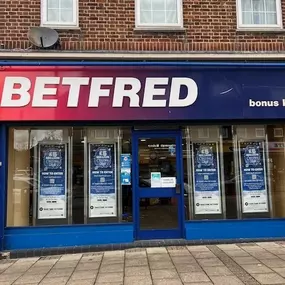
{"type": "Point", "coordinates": [240, 25]}
{"type": "Point", "coordinates": [59, 25]}
{"type": "Point", "coordinates": [162, 25]}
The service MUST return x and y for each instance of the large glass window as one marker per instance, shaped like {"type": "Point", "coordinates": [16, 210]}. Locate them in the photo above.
{"type": "Point", "coordinates": [234, 172]}
{"type": "Point", "coordinates": [68, 176]}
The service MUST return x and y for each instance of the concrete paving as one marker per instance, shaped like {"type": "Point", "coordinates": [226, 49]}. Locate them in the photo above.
{"type": "Point", "coordinates": [226, 264]}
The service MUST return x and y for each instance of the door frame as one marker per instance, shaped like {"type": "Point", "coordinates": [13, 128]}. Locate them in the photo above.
{"type": "Point", "coordinates": [136, 135]}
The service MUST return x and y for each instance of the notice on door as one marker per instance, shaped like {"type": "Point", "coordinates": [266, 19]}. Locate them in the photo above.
{"type": "Point", "coordinates": [155, 181]}
{"type": "Point", "coordinates": [102, 181]}
{"type": "Point", "coordinates": [253, 177]}
{"type": "Point", "coordinates": [52, 181]}
{"type": "Point", "coordinates": [206, 176]}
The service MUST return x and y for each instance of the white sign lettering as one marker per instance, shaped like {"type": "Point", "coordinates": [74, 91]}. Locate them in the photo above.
{"type": "Point", "coordinates": [152, 92]}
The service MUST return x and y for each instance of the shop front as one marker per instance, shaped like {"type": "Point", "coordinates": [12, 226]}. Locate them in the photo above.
{"type": "Point", "coordinates": [104, 153]}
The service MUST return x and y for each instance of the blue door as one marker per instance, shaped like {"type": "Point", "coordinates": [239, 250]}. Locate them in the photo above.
{"type": "Point", "coordinates": [158, 184]}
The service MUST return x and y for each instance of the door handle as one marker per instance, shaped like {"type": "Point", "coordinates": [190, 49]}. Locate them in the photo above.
{"type": "Point", "coordinates": [178, 189]}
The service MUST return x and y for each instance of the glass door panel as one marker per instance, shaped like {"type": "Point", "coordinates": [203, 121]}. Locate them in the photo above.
{"type": "Point", "coordinates": [158, 183]}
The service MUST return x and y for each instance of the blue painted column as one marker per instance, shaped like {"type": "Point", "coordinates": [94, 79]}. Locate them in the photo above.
{"type": "Point", "coordinates": [3, 180]}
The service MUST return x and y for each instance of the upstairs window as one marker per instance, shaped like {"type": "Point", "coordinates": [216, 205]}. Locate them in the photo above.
{"type": "Point", "coordinates": [158, 13]}
{"type": "Point", "coordinates": [259, 14]}
{"type": "Point", "coordinates": [59, 13]}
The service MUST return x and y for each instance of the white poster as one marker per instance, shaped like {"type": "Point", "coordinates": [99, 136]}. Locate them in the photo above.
{"type": "Point", "coordinates": [52, 181]}
{"type": "Point", "coordinates": [206, 176]}
{"type": "Point", "coordinates": [155, 179]}
{"type": "Point", "coordinates": [102, 181]}
{"type": "Point", "coordinates": [168, 182]}
{"type": "Point", "coordinates": [253, 177]}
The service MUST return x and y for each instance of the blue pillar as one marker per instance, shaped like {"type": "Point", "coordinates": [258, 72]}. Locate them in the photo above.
{"type": "Point", "coordinates": [3, 180]}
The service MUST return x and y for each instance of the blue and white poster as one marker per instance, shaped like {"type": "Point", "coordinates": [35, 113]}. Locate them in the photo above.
{"type": "Point", "coordinates": [253, 177]}
{"type": "Point", "coordinates": [126, 169]}
{"type": "Point", "coordinates": [102, 181]}
{"type": "Point", "coordinates": [206, 175]}
{"type": "Point", "coordinates": [52, 181]}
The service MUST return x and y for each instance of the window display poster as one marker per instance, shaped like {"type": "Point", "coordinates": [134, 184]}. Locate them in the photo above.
{"type": "Point", "coordinates": [253, 179]}
{"type": "Point", "coordinates": [155, 179]}
{"type": "Point", "coordinates": [126, 169]}
{"type": "Point", "coordinates": [52, 181]}
{"type": "Point", "coordinates": [207, 194]}
{"type": "Point", "coordinates": [102, 181]}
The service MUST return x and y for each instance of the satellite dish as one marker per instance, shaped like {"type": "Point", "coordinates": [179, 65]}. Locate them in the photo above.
{"type": "Point", "coordinates": [43, 37]}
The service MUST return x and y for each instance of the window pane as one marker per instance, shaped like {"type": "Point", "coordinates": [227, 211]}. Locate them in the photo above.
{"type": "Point", "coordinates": [158, 5]}
{"type": "Point", "coordinates": [246, 5]}
{"type": "Point", "coordinates": [247, 18]}
{"type": "Point", "coordinates": [145, 5]}
{"type": "Point", "coordinates": [52, 4]}
{"type": "Point", "coordinates": [270, 5]}
{"type": "Point", "coordinates": [145, 17]}
{"type": "Point", "coordinates": [53, 15]}
{"type": "Point", "coordinates": [271, 18]}
{"type": "Point", "coordinates": [171, 5]}
{"type": "Point", "coordinates": [66, 16]}
{"type": "Point", "coordinates": [158, 17]}
{"type": "Point", "coordinates": [171, 17]}
{"type": "Point", "coordinates": [258, 5]}
{"type": "Point", "coordinates": [66, 4]}
{"type": "Point", "coordinates": [259, 18]}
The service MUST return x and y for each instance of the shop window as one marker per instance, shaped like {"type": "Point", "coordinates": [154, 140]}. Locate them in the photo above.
{"type": "Point", "coordinates": [159, 13]}
{"type": "Point", "coordinates": [237, 172]}
{"type": "Point", "coordinates": [259, 14]}
{"type": "Point", "coordinates": [68, 176]}
{"type": "Point", "coordinates": [59, 13]}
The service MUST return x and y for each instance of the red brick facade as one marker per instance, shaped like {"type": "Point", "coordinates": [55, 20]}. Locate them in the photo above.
{"type": "Point", "coordinates": [108, 25]}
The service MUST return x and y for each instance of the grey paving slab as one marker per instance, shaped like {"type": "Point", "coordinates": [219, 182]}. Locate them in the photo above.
{"type": "Point", "coordinates": [210, 262]}
{"type": "Point", "coordinates": [184, 259]}
{"type": "Point", "coordinates": [9, 277]}
{"type": "Point", "coordinates": [138, 280]}
{"type": "Point", "coordinates": [54, 281]}
{"type": "Point", "coordinates": [280, 271]}
{"type": "Point", "coordinates": [203, 254]}
{"type": "Point", "coordinates": [256, 268]}
{"type": "Point", "coordinates": [115, 254]}
{"type": "Point", "coordinates": [70, 257]}
{"type": "Point", "coordinates": [226, 247]}
{"type": "Point", "coordinates": [262, 255]}
{"type": "Point", "coordinates": [81, 282]}
{"type": "Point", "coordinates": [237, 253]}
{"type": "Point", "coordinates": [200, 283]}
{"type": "Point", "coordinates": [60, 272]}
{"type": "Point", "coordinates": [66, 264]}
{"type": "Point", "coordinates": [184, 267]}
{"type": "Point", "coordinates": [136, 262]}
{"type": "Point", "coordinates": [217, 271]}
{"type": "Point", "coordinates": [88, 266]}
{"type": "Point", "coordinates": [269, 278]}
{"type": "Point", "coordinates": [91, 257]}
{"type": "Point", "coordinates": [137, 271]}
{"type": "Point", "coordinates": [164, 274]}
{"type": "Point", "coordinates": [29, 279]}
{"type": "Point", "coordinates": [194, 277]}
{"type": "Point", "coordinates": [161, 265]}
{"type": "Point", "coordinates": [117, 267]}
{"type": "Point", "coordinates": [167, 282]}
{"type": "Point", "coordinates": [81, 275]}
{"type": "Point", "coordinates": [110, 277]}
{"type": "Point", "coordinates": [200, 248]}
{"type": "Point", "coordinates": [132, 255]}
{"type": "Point", "coordinates": [159, 257]}
{"type": "Point", "coordinates": [156, 250]}
{"type": "Point", "coordinates": [245, 260]}
{"type": "Point", "coordinates": [275, 262]}
{"type": "Point", "coordinates": [226, 280]}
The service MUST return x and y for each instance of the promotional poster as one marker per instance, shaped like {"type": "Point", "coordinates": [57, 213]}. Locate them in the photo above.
{"type": "Point", "coordinates": [253, 178]}
{"type": "Point", "coordinates": [52, 181]}
{"type": "Point", "coordinates": [102, 181]}
{"type": "Point", "coordinates": [207, 194]}
{"type": "Point", "coordinates": [126, 169]}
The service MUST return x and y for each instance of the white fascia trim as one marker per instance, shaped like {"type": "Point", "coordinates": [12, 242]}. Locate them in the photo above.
{"type": "Point", "coordinates": [140, 56]}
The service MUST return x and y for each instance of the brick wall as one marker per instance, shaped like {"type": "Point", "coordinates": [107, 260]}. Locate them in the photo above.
{"type": "Point", "coordinates": [210, 25]}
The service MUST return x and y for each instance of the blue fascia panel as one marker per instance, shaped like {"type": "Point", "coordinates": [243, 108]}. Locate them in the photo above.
{"type": "Point", "coordinates": [50, 237]}
{"type": "Point", "coordinates": [235, 229]}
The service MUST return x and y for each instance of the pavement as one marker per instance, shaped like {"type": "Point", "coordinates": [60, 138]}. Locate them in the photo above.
{"type": "Point", "coordinates": [226, 264]}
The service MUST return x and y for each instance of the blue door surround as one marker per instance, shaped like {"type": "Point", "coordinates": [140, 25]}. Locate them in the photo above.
{"type": "Point", "coordinates": [139, 193]}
